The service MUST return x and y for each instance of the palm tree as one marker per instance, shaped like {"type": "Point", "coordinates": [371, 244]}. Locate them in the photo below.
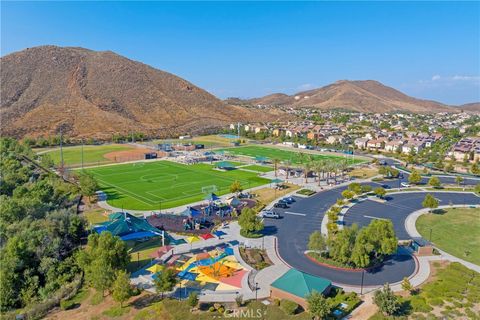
{"type": "Point", "coordinates": [287, 165]}
{"type": "Point", "coordinates": [319, 167]}
{"type": "Point", "coordinates": [307, 166]}
{"type": "Point", "coordinates": [276, 161]}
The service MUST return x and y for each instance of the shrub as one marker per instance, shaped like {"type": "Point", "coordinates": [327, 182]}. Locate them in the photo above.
{"type": "Point", "coordinates": [212, 309]}
{"type": "Point", "coordinates": [288, 306]}
{"type": "Point", "coordinates": [221, 310]}
{"type": "Point", "coordinates": [66, 304]}
{"type": "Point", "coordinates": [276, 302]}
{"type": "Point", "coordinates": [239, 300]}
{"type": "Point", "coordinates": [419, 304]}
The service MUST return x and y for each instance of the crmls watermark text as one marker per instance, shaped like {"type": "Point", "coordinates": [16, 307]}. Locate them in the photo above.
{"type": "Point", "coordinates": [239, 314]}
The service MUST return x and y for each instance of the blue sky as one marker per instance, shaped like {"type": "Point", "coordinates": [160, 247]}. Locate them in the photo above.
{"type": "Point", "coordinates": [428, 49]}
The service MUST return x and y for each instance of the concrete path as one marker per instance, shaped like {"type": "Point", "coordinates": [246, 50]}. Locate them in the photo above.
{"type": "Point", "coordinates": [262, 278]}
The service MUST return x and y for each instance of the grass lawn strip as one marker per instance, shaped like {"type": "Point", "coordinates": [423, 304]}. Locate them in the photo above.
{"type": "Point", "coordinates": [456, 231]}
{"type": "Point", "coordinates": [282, 155]}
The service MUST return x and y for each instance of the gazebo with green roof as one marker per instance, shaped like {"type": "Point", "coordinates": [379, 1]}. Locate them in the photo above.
{"type": "Point", "coordinates": [296, 286]}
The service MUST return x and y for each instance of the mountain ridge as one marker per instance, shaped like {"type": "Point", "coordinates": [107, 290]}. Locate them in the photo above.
{"type": "Point", "coordinates": [354, 95]}
{"type": "Point", "coordinates": [91, 93]}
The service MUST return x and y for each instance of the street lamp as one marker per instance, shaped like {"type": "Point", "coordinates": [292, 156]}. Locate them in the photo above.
{"type": "Point", "coordinates": [361, 286]}
{"type": "Point", "coordinates": [256, 291]}
{"type": "Point", "coordinates": [430, 238]}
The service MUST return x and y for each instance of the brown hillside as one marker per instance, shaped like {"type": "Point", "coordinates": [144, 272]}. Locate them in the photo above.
{"type": "Point", "coordinates": [364, 96]}
{"type": "Point", "coordinates": [90, 93]}
{"type": "Point", "coordinates": [472, 107]}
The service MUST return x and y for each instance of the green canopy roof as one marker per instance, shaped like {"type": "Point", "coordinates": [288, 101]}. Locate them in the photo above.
{"type": "Point", "coordinates": [225, 164]}
{"type": "Point", "coordinates": [122, 223]}
{"type": "Point", "coordinates": [300, 284]}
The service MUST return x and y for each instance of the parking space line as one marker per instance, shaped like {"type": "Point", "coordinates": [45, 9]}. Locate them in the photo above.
{"type": "Point", "coordinates": [375, 218]}
{"type": "Point", "coordinates": [295, 213]}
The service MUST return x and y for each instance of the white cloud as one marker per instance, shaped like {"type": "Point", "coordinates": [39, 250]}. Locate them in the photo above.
{"type": "Point", "coordinates": [306, 86]}
{"type": "Point", "coordinates": [438, 80]}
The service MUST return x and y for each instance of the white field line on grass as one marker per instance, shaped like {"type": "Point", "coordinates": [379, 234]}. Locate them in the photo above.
{"type": "Point", "coordinates": [134, 195]}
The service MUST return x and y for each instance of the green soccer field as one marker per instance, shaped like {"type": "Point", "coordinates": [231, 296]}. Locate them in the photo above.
{"type": "Point", "coordinates": [164, 184]}
{"type": "Point", "coordinates": [282, 155]}
{"type": "Point", "coordinates": [72, 156]}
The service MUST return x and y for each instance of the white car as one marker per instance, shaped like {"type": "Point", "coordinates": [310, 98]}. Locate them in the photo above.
{"type": "Point", "coordinates": [405, 185]}
{"type": "Point", "coordinates": [270, 214]}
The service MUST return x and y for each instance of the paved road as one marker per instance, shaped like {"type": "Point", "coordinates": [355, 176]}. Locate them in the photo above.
{"type": "Point", "coordinates": [305, 216]}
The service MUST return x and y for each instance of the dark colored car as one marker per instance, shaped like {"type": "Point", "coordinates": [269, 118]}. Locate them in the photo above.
{"type": "Point", "coordinates": [282, 205]}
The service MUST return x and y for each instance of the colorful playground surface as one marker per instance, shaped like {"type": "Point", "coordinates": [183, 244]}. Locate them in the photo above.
{"type": "Point", "coordinates": [216, 269]}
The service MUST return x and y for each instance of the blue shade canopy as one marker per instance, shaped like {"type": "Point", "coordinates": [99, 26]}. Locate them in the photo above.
{"type": "Point", "coordinates": [212, 197]}
{"type": "Point", "coordinates": [219, 233]}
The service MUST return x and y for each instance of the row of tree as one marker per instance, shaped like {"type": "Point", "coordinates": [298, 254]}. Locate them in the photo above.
{"type": "Point", "coordinates": [39, 229]}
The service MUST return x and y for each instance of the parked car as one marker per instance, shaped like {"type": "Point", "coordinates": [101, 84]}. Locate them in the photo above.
{"type": "Point", "coordinates": [282, 205]}
{"type": "Point", "coordinates": [283, 201]}
{"type": "Point", "coordinates": [405, 185]}
{"type": "Point", "coordinates": [270, 214]}
{"type": "Point", "coordinates": [289, 199]}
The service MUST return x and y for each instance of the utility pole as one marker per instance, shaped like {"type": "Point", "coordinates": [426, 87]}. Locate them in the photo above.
{"type": "Point", "coordinates": [61, 148]}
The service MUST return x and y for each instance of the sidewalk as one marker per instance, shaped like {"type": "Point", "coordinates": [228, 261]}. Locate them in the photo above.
{"type": "Point", "coordinates": [262, 278]}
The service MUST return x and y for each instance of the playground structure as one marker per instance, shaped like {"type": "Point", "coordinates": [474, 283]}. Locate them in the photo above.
{"type": "Point", "coordinates": [214, 270]}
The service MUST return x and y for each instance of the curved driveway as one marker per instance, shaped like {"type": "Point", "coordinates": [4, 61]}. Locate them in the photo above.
{"type": "Point", "coordinates": [305, 216]}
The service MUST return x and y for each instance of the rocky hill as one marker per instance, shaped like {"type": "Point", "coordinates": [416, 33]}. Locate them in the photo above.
{"type": "Point", "coordinates": [96, 94]}
{"type": "Point", "coordinates": [470, 107]}
{"type": "Point", "coordinates": [364, 96]}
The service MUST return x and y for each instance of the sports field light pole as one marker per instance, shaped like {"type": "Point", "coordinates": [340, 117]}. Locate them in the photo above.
{"type": "Point", "coordinates": [82, 154]}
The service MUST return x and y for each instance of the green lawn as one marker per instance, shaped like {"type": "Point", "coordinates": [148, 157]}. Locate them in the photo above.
{"type": "Point", "coordinates": [258, 168]}
{"type": "Point", "coordinates": [457, 232]}
{"type": "Point", "coordinates": [164, 184]}
{"type": "Point", "coordinates": [282, 155]}
{"type": "Point", "coordinates": [72, 156]}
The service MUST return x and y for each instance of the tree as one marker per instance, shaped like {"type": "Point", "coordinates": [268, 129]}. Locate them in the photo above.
{"type": "Point", "coordinates": [192, 299]}
{"type": "Point", "coordinates": [347, 194]}
{"type": "Point", "coordinates": [249, 221]}
{"type": "Point", "coordinates": [318, 305]}
{"type": "Point", "coordinates": [406, 285]}
{"type": "Point", "coordinates": [386, 300]}
{"type": "Point", "coordinates": [88, 184]}
{"type": "Point", "coordinates": [380, 192]}
{"type": "Point", "coordinates": [104, 255]}
{"type": "Point", "coordinates": [458, 180]}
{"type": "Point", "coordinates": [477, 188]}
{"type": "Point", "coordinates": [165, 281]}
{"type": "Point", "coordinates": [236, 187]}
{"type": "Point", "coordinates": [276, 161]}
{"type": "Point", "coordinates": [381, 236]}
{"type": "Point", "coordinates": [475, 169]}
{"type": "Point", "coordinates": [434, 182]}
{"type": "Point", "coordinates": [121, 287]}
{"type": "Point", "coordinates": [355, 188]}
{"type": "Point", "coordinates": [317, 242]}
{"type": "Point", "coordinates": [415, 177]}
{"type": "Point", "coordinates": [46, 161]}
{"type": "Point", "coordinates": [430, 202]}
